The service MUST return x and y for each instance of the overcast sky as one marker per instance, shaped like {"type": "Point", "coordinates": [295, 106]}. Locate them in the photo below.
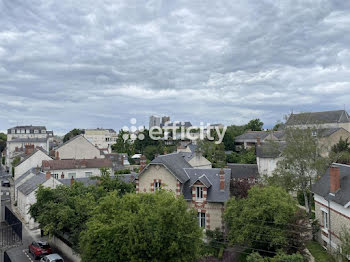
{"type": "Point", "coordinates": [96, 63]}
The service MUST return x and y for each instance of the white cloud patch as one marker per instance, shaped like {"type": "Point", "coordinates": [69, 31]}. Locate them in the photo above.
{"type": "Point", "coordinates": [100, 63]}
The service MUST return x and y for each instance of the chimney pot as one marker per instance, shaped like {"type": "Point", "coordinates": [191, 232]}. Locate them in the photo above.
{"type": "Point", "coordinates": [334, 179]}
{"type": "Point", "coordinates": [222, 179]}
{"type": "Point", "coordinates": [143, 162]}
{"type": "Point", "coordinates": [258, 141]}
{"type": "Point", "coordinates": [57, 155]}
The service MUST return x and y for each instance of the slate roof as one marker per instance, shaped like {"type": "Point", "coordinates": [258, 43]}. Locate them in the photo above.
{"type": "Point", "coordinates": [32, 184]}
{"type": "Point", "coordinates": [76, 163]}
{"type": "Point", "coordinates": [28, 140]}
{"type": "Point", "coordinates": [212, 175]}
{"type": "Point", "coordinates": [243, 170]}
{"type": "Point", "coordinates": [336, 116]}
{"type": "Point", "coordinates": [175, 163]}
{"type": "Point", "coordinates": [31, 128]}
{"type": "Point", "coordinates": [325, 132]}
{"type": "Point", "coordinates": [322, 186]}
{"type": "Point", "coordinates": [87, 181]}
{"type": "Point", "coordinates": [253, 135]}
{"type": "Point", "coordinates": [30, 171]}
{"type": "Point", "coordinates": [270, 150]}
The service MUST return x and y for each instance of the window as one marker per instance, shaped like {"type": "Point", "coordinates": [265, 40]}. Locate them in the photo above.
{"type": "Point", "coordinates": [13, 131]}
{"type": "Point", "coordinates": [55, 176]}
{"type": "Point", "coordinates": [157, 186]}
{"type": "Point", "coordinates": [71, 175]}
{"type": "Point", "coordinates": [43, 131]}
{"type": "Point", "coordinates": [36, 131]}
{"type": "Point", "coordinates": [88, 174]}
{"type": "Point", "coordinates": [325, 219]}
{"type": "Point", "coordinates": [199, 192]}
{"type": "Point", "coordinates": [314, 133]}
{"type": "Point", "coordinates": [201, 219]}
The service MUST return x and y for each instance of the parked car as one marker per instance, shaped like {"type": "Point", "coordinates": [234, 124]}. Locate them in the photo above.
{"type": "Point", "coordinates": [52, 258]}
{"type": "Point", "coordinates": [39, 249]}
{"type": "Point", "coordinates": [5, 182]}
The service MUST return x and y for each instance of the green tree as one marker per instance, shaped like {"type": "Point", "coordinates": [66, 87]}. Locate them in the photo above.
{"type": "Point", "coordinates": [301, 162]}
{"type": "Point", "coordinates": [344, 247]}
{"type": "Point", "coordinates": [340, 152]}
{"type": "Point", "coordinates": [3, 139]}
{"type": "Point", "coordinates": [246, 156]}
{"type": "Point", "coordinates": [215, 153]}
{"type": "Point", "coordinates": [255, 125]}
{"type": "Point", "coordinates": [260, 219]}
{"type": "Point", "coordinates": [123, 144]}
{"type": "Point", "coordinates": [141, 227]}
{"type": "Point", "coordinates": [74, 132]}
{"type": "Point", "coordinates": [14, 163]}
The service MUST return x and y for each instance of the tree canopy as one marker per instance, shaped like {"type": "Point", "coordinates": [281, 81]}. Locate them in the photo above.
{"type": "Point", "coordinates": [301, 162]}
{"type": "Point", "coordinates": [261, 219]}
{"type": "Point", "coordinates": [141, 227]}
{"type": "Point", "coordinates": [3, 139]}
{"type": "Point", "coordinates": [74, 132]}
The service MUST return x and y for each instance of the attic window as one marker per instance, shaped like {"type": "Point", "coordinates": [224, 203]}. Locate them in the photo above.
{"type": "Point", "coordinates": [199, 192]}
{"type": "Point", "coordinates": [314, 133]}
{"type": "Point", "coordinates": [157, 186]}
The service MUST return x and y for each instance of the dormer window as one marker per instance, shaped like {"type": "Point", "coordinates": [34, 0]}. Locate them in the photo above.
{"type": "Point", "coordinates": [36, 131]}
{"type": "Point", "coordinates": [199, 192]}
{"type": "Point", "coordinates": [157, 186]}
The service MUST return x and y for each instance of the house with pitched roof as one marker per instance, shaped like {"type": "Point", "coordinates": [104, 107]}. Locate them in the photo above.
{"type": "Point", "coordinates": [31, 160]}
{"type": "Point", "coordinates": [77, 168]}
{"type": "Point", "coordinates": [26, 193]}
{"type": "Point", "coordinates": [205, 190]}
{"type": "Point", "coordinates": [78, 148]}
{"type": "Point", "coordinates": [250, 138]}
{"type": "Point", "coordinates": [332, 204]}
{"type": "Point", "coordinates": [324, 119]}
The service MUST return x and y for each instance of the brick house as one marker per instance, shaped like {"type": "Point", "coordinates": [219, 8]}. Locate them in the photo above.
{"type": "Point", "coordinates": [205, 190]}
{"type": "Point", "coordinates": [332, 202]}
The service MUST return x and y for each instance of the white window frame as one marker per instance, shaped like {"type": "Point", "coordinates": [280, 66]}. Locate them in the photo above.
{"type": "Point", "coordinates": [325, 219]}
{"type": "Point", "coordinates": [202, 219]}
{"type": "Point", "coordinates": [88, 174]}
{"type": "Point", "coordinates": [199, 192]}
{"type": "Point", "coordinates": [157, 186]}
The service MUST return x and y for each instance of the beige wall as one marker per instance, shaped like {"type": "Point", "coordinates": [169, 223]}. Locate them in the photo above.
{"type": "Point", "coordinates": [168, 181]}
{"type": "Point", "coordinates": [327, 142]}
{"type": "Point", "coordinates": [338, 217]}
{"type": "Point", "coordinates": [79, 148]}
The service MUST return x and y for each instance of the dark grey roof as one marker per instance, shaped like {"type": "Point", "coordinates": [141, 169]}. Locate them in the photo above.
{"type": "Point", "coordinates": [32, 183]}
{"type": "Point", "coordinates": [322, 186]}
{"type": "Point", "coordinates": [30, 171]}
{"type": "Point", "coordinates": [192, 147]}
{"type": "Point", "coordinates": [253, 135]}
{"type": "Point", "coordinates": [243, 170]}
{"type": "Point", "coordinates": [203, 179]}
{"type": "Point", "coordinates": [87, 181]}
{"type": "Point", "coordinates": [270, 150]}
{"type": "Point", "coordinates": [175, 163]}
{"type": "Point", "coordinates": [31, 128]}
{"type": "Point", "coordinates": [128, 178]}
{"type": "Point", "coordinates": [325, 132]}
{"type": "Point", "coordinates": [336, 116]}
{"type": "Point", "coordinates": [29, 140]}
{"type": "Point", "coordinates": [187, 155]}
{"type": "Point", "coordinates": [212, 175]}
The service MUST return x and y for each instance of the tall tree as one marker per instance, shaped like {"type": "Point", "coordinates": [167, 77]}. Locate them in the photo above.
{"type": "Point", "coordinates": [260, 220]}
{"type": "Point", "coordinates": [141, 227]}
{"type": "Point", "coordinates": [74, 132]}
{"type": "Point", "coordinates": [3, 139]}
{"type": "Point", "coordinates": [301, 162]}
{"type": "Point", "coordinates": [255, 125]}
{"type": "Point", "coordinates": [123, 144]}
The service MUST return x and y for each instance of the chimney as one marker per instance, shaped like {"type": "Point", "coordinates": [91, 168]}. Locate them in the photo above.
{"type": "Point", "coordinates": [52, 153]}
{"type": "Point", "coordinates": [258, 141]}
{"type": "Point", "coordinates": [334, 179]}
{"type": "Point", "coordinates": [71, 181]}
{"type": "Point", "coordinates": [57, 155]}
{"type": "Point", "coordinates": [29, 149]}
{"type": "Point", "coordinates": [48, 175]}
{"type": "Point", "coordinates": [222, 179]}
{"type": "Point", "coordinates": [62, 176]}
{"type": "Point", "coordinates": [142, 162]}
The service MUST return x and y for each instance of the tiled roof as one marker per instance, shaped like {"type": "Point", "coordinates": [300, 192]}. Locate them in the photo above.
{"type": "Point", "coordinates": [32, 183]}
{"type": "Point", "coordinates": [175, 163]}
{"type": "Point", "coordinates": [243, 170]}
{"type": "Point", "coordinates": [214, 194]}
{"type": "Point", "coordinates": [322, 186]}
{"type": "Point", "coordinates": [76, 163]}
{"type": "Point", "coordinates": [336, 116]}
{"type": "Point", "coordinates": [253, 135]}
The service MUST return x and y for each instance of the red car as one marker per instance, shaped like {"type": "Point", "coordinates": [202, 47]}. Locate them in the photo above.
{"type": "Point", "coordinates": [39, 249]}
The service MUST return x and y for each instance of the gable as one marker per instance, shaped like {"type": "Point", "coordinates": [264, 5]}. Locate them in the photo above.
{"type": "Point", "coordinates": [78, 148]}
